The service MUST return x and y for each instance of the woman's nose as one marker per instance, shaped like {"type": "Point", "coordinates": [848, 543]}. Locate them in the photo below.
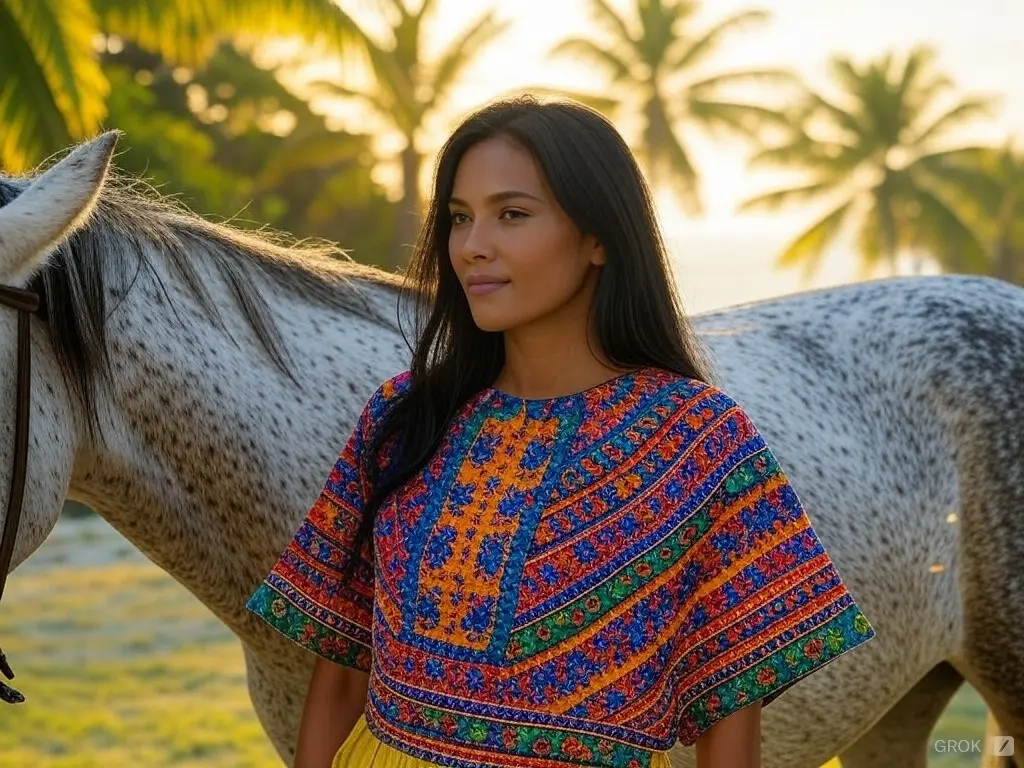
{"type": "Point", "coordinates": [476, 243]}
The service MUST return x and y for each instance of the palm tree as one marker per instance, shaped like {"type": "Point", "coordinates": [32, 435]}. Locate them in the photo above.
{"type": "Point", "coordinates": [407, 88]}
{"type": "Point", "coordinates": [52, 88]}
{"type": "Point", "coordinates": [989, 195]}
{"type": "Point", "coordinates": [876, 156]}
{"type": "Point", "coordinates": [654, 58]}
{"type": "Point", "coordinates": [1006, 215]}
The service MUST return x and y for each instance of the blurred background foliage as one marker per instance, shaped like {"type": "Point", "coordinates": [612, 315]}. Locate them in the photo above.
{"type": "Point", "coordinates": [205, 122]}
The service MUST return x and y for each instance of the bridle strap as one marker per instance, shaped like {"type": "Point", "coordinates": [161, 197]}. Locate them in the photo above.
{"type": "Point", "coordinates": [19, 298]}
{"type": "Point", "coordinates": [25, 303]}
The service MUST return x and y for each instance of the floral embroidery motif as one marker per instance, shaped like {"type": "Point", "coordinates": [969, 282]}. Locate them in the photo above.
{"type": "Point", "coordinates": [583, 580]}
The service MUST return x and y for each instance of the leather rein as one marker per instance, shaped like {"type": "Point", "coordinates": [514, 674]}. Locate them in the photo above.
{"type": "Point", "coordinates": [25, 303]}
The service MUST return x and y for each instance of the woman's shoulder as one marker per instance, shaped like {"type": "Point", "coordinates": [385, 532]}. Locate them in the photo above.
{"type": "Point", "coordinates": [395, 386]}
{"type": "Point", "coordinates": [392, 388]}
{"type": "Point", "coordinates": [705, 407]}
{"type": "Point", "coordinates": [686, 392]}
{"type": "Point", "coordinates": [385, 395]}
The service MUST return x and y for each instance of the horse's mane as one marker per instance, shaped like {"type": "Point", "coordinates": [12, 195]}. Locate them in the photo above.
{"type": "Point", "coordinates": [129, 224]}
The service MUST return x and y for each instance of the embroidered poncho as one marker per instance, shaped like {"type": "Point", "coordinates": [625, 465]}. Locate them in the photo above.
{"type": "Point", "coordinates": [581, 580]}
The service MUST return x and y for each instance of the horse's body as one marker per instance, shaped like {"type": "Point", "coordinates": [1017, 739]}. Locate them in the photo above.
{"type": "Point", "coordinates": [895, 407]}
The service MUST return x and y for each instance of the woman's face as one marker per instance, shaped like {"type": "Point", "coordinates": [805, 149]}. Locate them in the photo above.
{"type": "Point", "coordinates": [519, 257]}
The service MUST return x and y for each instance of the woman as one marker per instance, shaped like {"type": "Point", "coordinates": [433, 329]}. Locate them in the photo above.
{"type": "Point", "coordinates": [572, 548]}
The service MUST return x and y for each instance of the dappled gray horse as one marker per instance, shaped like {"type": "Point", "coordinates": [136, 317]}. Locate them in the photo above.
{"type": "Point", "coordinates": [194, 384]}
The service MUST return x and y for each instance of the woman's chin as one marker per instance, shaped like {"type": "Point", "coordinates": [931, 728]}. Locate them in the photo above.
{"type": "Point", "coordinates": [493, 327]}
{"type": "Point", "coordinates": [493, 322]}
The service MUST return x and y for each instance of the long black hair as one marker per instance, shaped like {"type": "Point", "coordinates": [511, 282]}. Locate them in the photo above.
{"type": "Point", "coordinates": [636, 313]}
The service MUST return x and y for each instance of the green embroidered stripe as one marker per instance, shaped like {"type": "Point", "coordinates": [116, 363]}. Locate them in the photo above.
{"type": "Point", "coordinates": [525, 740]}
{"type": "Point", "coordinates": [833, 638]}
{"type": "Point", "coordinates": [307, 632]}
{"type": "Point", "coordinates": [591, 607]}
{"type": "Point", "coordinates": [582, 612]}
{"type": "Point", "coordinates": [756, 469]}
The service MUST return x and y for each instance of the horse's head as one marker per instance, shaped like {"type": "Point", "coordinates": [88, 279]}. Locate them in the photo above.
{"type": "Point", "coordinates": [37, 216]}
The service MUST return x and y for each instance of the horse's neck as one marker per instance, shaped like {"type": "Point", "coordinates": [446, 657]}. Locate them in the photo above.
{"type": "Point", "coordinates": [212, 455]}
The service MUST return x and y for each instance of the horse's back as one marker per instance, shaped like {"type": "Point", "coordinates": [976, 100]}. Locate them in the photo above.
{"type": "Point", "coordinates": [896, 407]}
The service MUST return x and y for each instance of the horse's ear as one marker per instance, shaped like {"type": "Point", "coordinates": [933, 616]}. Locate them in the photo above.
{"type": "Point", "coordinates": [52, 207]}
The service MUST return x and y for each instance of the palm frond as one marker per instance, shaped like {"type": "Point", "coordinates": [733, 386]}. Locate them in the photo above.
{"type": "Point", "coordinates": [944, 234]}
{"type": "Point", "coordinates": [462, 50]}
{"type": "Point", "coordinates": [52, 90]}
{"type": "Point", "coordinates": [780, 198]}
{"type": "Point", "coordinates": [841, 118]}
{"type": "Point", "coordinates": [747, 120]}
{"type": "Point", "coordinates": [606, 17]}
{"type": "Point", "coordinates": [918, 61]}
{"type": "Point", "coordinates": [966, 174]}
{"type": "Point", "coordinates": [745, 77]}
{"type": "Point", "coordinates": [600, 56]}
{"type": "Point", "coordinates": [187, 32]}
{"type": "Point", "coordinates": [808, 249]}
{"type": "Point", "coordinates": [964, 112]}
{"type": "Point", "coordinates": [178, 30]}
{"type": "Point", "coordinates": [397, 91]}
{"type": "Point", "coordinates": [374, 99]}
{"type": "Point", "coordinates": [918, 85]}
{"type": "Point", "coordinates": [322, 21]}
{"type": "Point", "coordinates": [325, 150]}
{"type": "Point", "coordinates": [32, 122]}
{"type": "Point", "coordinates": [319, 21]}
{"type": "Point", "coordinates": [828, 158]}
{"type": "Point", "coordinates": [977, 157]}
{"type": "Point", "coordinates": [688, 53]}
{"type": "Point", "coordinates": [667, 159]}
{"type": "Point", "coordinates": [846, 74]}
{"type": "Point", "coordinates": [985, 190]}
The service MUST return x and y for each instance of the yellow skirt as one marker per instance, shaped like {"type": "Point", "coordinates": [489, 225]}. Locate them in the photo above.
{"type": "Point", "coordinates": [364, 750]}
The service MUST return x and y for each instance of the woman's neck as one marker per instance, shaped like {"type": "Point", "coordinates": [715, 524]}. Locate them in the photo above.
{"type": "Point", "coordinates": [550, 366]}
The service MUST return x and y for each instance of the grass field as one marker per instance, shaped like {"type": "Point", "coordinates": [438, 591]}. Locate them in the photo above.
{"type": "Point", "coordinates": [124, 668]}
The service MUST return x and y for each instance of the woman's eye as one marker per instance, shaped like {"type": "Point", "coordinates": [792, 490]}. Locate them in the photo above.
{"type": "Point", "coordinates": [513, 214]}
{"type": "Point", "coordinates": [458, 218]}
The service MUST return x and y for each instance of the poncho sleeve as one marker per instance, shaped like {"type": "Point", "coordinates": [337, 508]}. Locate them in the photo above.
{"type": "Point", "coordinates": [306, 596]}
{"type": "Point", "coordinates": [764, 602]}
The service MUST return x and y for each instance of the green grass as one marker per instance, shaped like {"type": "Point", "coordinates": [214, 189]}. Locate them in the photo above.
{"type": "Point", "coordinates": [123, 668]}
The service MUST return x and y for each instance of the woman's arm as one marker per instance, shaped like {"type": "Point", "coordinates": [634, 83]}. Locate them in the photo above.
{"type": "Point", "coordinates": [336, 699]}
{"type": "Point", "coordinates": [732, 742]}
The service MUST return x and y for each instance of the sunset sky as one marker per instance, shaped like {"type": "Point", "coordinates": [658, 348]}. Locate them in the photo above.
{"type": "Point", "coordinates": [726, 258]}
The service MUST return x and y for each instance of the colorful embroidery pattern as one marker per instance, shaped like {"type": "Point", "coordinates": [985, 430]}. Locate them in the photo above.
{"type": "Point", "coordinates": [583, 580]}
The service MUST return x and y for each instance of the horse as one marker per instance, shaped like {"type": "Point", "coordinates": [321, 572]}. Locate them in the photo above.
{"type": "Point", "coordinates": [193, 383]}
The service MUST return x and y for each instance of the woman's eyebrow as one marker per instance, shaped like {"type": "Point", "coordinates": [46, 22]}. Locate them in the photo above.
{"type": "Point", "coordinates": [498, 197]}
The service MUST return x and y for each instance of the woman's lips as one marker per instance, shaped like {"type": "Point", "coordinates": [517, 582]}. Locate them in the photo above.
{"type": "Point", "coordinates": [478, 289]}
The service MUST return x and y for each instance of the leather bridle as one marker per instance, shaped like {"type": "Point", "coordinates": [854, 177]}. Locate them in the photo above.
{"type": "Point", "coordinates": [25, 303]}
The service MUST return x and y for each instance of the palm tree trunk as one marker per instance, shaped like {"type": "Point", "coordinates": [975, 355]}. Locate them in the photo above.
{"type": "Point", "coordinates": [408, 223]}
{"type": "Point", "coordinates": [887, 222]}
{"type": "Point", "coordinates": [1007, 261]}
{"type": "Point", "coordinates": [1007, 258]}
